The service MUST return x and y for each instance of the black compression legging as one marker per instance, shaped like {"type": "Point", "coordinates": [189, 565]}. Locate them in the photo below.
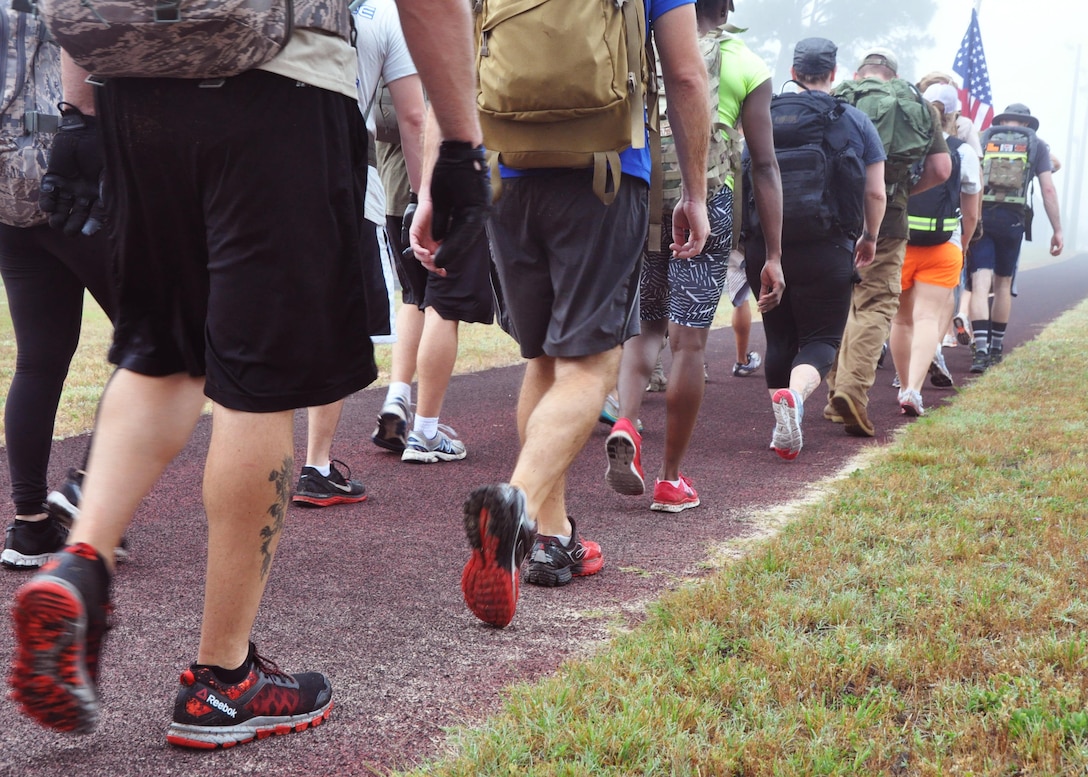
{"type": "Point", "coordinates": [44, 276]}
{"type": "Point", "coordinates": [806, 328]}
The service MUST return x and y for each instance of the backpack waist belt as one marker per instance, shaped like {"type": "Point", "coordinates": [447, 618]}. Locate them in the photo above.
{"type": "Point", "coordinates": [40, 122]}
{"type": "Point", "coordinates": [926, 224]}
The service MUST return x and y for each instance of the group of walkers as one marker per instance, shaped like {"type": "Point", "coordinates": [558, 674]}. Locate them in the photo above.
{"type": "Point", "coordinates": [254, 284]}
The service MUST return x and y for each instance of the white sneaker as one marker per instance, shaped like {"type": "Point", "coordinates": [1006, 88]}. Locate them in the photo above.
{"type": "Point", "coordinates": [444, 447]}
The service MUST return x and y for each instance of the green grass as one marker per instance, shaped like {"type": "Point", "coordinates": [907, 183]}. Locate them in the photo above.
{"type": "Point", "coordinates": [926, 616]}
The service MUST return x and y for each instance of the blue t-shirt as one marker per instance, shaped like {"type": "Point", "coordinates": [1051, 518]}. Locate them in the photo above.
{"type": "Point", "coordinates": [633, 161]}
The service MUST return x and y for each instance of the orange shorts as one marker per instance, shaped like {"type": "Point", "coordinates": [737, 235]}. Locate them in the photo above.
{"type": "Point", "coordinates": [936, 265]}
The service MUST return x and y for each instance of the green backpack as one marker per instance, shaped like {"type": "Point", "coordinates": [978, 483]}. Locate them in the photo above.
{"type": "Point", "coordinates": [562, 83]}
{"type": "Point", "coordinates": [901, 117]}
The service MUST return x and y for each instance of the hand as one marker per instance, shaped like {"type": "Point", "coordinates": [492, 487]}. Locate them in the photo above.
{"type": "Point", "coordinates": [690, 229]}
{"type": "Point", "coordinates": [864, 251]}
{"type": "Point", "coordinates": [71, 190]}
{"type": "Point", "coordinates": [422, 244]}
{"type": "Point", "coordinates": [772, 284]}
{"type": "Point", "coordinates": [460, 195]}
{"type": "Point", "coordinates": [1056, 244]}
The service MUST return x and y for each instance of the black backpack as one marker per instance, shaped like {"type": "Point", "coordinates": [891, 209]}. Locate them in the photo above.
{"type": "Point", "coordinates": [934, 214]}
{"type": "Point", "coordinates": [823, 179]}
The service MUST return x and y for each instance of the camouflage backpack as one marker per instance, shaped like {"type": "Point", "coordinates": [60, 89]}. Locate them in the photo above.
{"type": "Point", "coordinates": [30, 73]}
{"type": "Point", "coordinates": [201, 39]}
{"type": "Point", "coordinates": [725, 144]}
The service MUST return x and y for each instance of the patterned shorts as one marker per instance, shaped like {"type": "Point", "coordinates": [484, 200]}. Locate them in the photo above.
{"type": "Point", "coordinates": [687, 291]}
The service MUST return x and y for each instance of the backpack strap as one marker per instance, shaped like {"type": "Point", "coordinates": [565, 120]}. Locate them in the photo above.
{"type": "Point", "coordinates": [606, 165]}
{"type": "Point", "coordinates": [657, 178]}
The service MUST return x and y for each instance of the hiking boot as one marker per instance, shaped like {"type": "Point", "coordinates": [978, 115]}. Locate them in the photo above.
{"type": "Point", "coordinates": [63, 506]}
{"type": "Point", "coordinates": [392, 430]}
{"type": "Point", "coordinates": [659, 381]}
{"type": "Point", "coordinates": [61, 616]}
{"type": "Point", "coordinates": [895, 382]}
{"type": "Point", "coordinates": [443, 447]}
{"type": "Point", "coordinates": [317, 490]}
{"type": "Point", "coordinates": [29, 544]}
{"type": "Point", "coordinates": [610, 413]}
{"type": "Point", "coordinates": [996, 355]}
{"type": "Point", "coordinates": [789, 410]}
{"type": "Point", "coordinates": [979, 362]}
{"type": "Point", "coordinates": [910, 403]}
{"type": "Point", "coordinates": [883, 354]}
{"type": "Point", "coordinates": [963, 332]}
{"type": "Point", "coordinates": [855, 419]}
{"type": "Point", "coordinates": [624, 450]}
{"type": "Point", "coordinates": [209, 713]}
{"type": "Point", "coordinates": [670, 499]}
{"type": "Point", "coordinates": [553, 564]}
{"type": "Point", "coordinates": [749, 367]}
{"type": "Point", "coordinates": [500, 534]}
{"type": "Point", "coordinates": [939, 374]}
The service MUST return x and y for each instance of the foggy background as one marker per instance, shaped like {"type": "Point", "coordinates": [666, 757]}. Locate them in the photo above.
{"type": "Point", "coordinates": [1031, 54]}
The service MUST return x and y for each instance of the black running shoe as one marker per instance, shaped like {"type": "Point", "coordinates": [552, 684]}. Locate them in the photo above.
{"type": "Point", "coordinates": [553, 564]}
{"type": "Point", "coordinates": [209, 713]}
{"type": "Point", "coordinates": [500, 533]}
{"type": "Point", "coordinates": [63, 503]}
{"type": "Point", "coordinates": [316, 490]}
{"type": "Point", "coordinates": [996, 355]}
{"type": "Point", "coordinates": [29, 544]}
{"type": "Point", "coordinates": [979, 362]}
{"type": "Point", "coordinates": [61, 617]}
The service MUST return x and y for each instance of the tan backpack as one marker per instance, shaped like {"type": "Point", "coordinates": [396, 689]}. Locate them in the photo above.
{"type": "Point", "coordinates": [562, 83]}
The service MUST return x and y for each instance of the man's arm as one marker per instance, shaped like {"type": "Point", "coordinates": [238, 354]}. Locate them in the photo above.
{"type": "Point", "coordinates": [411, 108]}
{"type": "Point", "coordinates": [935, 171]}
{"type": "Point", "coordinates": [74, 86]}
{"type": "Point", "coordinates": [1053, 212]}
{"type": "Point", "coordinates": [767, 186]}
{"type": "Point", "coordinates": [689, 116]}
{"type": "Point", "coordinates": [970, 207]}
{"type": "Point", "coordinates": [439, 36]}
{"type": "Point", "coordinates": [876, 199]}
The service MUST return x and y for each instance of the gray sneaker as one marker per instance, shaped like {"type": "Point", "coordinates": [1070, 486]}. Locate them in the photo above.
{"type": "Point", "coordinates": [393, 422]}
{"type": "Point", "coordinates": [443, 447]}
{"type": "Point", "coordinates": [659, 381]}
{"type": "Point", "coordinates": [939, 375]}
{"type": "Point", "coordinates": [749, 367]}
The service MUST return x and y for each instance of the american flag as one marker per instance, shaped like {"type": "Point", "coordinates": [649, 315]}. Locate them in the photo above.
{"type": "Point", "coordinates": [976, 98]}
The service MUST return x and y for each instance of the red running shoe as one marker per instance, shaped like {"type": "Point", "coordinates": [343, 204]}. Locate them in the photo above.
{"type": "Point", "coordinates": [61, 617]}
{"type": "Point", "coordinates": [209, 713]}
{"type": "Point", "coordinates": [624, 450]}
{"type": "Point", "coordinates": [670, 499]}
{"type": "Point", "coordinates": [500, 533]}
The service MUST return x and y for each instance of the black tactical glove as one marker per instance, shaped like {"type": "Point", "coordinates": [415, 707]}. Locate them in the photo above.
{"type": "Point", "coordinates": [461, 197]}
{"type": "Point", "coordinates": [71, 186]}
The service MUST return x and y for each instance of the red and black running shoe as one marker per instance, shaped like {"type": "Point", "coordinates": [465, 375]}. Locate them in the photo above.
{"type": "Point", "coordinates": [317, 490]}
{"type": "Point", "coordinates": [500, 534]}
{"type": "Point", "coordinates": [554, 564]}
{"type": "Point", "coordinates": [61, 617]}
{"type": "Point", "coordinates": [209, 713]}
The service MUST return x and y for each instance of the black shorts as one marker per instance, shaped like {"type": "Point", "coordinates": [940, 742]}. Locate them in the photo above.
{"type": "Point", "coordinates": [236, 216]}
{"type": "Point", "coordinates": [568, 264]}
{"type": "Point", "coordinates": [463, 294]}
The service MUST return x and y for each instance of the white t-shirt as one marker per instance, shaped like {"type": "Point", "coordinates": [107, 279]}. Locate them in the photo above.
{"type": "Point", "coordinates": [382, 50]}
{"type": "Point", "coordinates": [970, 178]}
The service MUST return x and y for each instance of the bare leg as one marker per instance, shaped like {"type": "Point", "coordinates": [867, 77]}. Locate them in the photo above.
{"type": "Point", "coordinates": [557, 410]}
{"type": "Point", "coordinates": [406, 348]}
{"type": "Point", "coordinates": [637, 362]}
{"type": "Point", "coordinates": [321, 423]}
{"type": "Point", "coordinates": [434, 363]}
{"type": "Point", "coordinates": [684, 395]}
{"type": "Point", "coordinates": [742, 330]}
{"type": "Point", "coordinates": [143, 422]}
{"type": "Point", "coordinates": [247, 484]}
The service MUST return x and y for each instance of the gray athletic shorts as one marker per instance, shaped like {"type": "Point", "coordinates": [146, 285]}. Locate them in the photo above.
{"type": "Point", "coordinates": [687, 291]}
{"type": "Point", "coordinates": [567, 264]}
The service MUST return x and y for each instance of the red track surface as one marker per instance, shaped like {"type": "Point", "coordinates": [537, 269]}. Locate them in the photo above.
{"type": "Point", "coordinates": [370, 593]}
